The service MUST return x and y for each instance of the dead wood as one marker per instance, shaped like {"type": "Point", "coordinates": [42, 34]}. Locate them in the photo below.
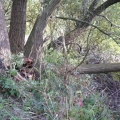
{"type": "Point", "coordinates": [96, 68]}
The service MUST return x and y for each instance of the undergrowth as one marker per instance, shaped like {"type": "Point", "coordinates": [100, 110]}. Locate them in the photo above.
{"type": "Point", "coordinates": [51, 101]}
{"type": "Point", "coordinates": [52, 98]}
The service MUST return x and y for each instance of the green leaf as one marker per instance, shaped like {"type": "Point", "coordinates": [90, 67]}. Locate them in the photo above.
{"type": "Point", "coordinates": [1, 106]}
{"type": "Point", "coordinates": [13, 72]}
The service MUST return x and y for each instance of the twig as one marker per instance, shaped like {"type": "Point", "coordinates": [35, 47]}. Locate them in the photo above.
{"type": "Point", "coordinates": [109, 21]}
{"type": "Point", "coordinates": [19, 77]}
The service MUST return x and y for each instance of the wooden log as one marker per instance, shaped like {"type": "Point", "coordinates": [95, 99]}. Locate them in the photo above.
{"type": "Point", "coordinates": [98, 68]}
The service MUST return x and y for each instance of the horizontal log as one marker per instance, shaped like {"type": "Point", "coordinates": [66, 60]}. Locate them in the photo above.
{"type": "Point", "coordinates": [98, 68]}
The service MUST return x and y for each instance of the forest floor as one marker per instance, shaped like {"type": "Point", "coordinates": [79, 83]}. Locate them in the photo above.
{"type": "Point", "coordinates": [88, 97]}
{"type": "Point", "coordinates": [31, 100]}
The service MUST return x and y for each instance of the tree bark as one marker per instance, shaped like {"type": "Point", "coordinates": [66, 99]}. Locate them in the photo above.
{"type": "Point", "coordinates": [98, 68]}
{"type": "Point", "coordinates": [17, 26]}
{"type": "Point", "coordinates": [35, 39]}
{"type": "Point", "coordinates": [4, 40]}
{"type": "Point", "coordinates": [85, 21]}
{"type": "Point", "coordinates": [89, 69]}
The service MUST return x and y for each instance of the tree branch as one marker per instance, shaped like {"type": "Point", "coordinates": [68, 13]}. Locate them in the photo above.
{"type": "Point", "coordinates": [85, 22]}
{"type": "Point", "coordinates": [108, 34]}
{"type": "Point", "coordinates": [93, 5]}
{"type": "Point", "coordinates": [112, 24]}
{"type": "Point", "coordinates": [105, 5]}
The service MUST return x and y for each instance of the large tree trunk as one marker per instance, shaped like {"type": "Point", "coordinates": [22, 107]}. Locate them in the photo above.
{"type": "Point", "coordinates": [4, 41]}
{"type": "Point", "coordinates": [17, 26]}
{"type": "Point", "coordinates": [35, 39]}
{"type": "Point", "coordinates": [84, 23]}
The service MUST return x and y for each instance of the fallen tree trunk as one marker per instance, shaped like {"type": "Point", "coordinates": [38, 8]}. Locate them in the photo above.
{"type": "Point", "coordinates": [98, 68]}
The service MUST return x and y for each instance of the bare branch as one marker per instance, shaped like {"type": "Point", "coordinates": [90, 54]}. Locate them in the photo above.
{"type": "Point", "coordinates": [113, 24]}
{"type": "Point", "coordinates": [93, 5]}
{"type": "Point", "coordinates": [105, 5]}
{"type": "Point", "coordinates": [73, 19]}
